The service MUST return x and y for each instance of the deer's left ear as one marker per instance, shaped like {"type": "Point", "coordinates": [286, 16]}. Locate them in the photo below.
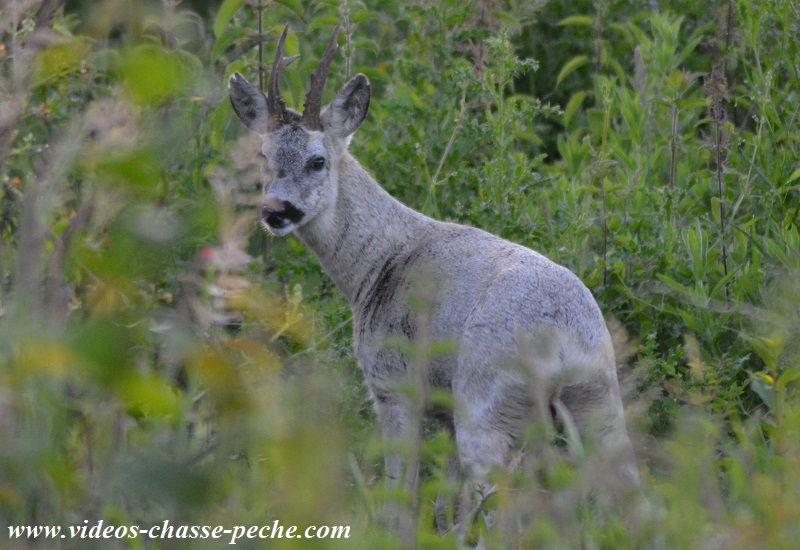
{"type": "Point", "coordinates": [348, 109]}
{"type": "Point", "coordinates": [249, 103]}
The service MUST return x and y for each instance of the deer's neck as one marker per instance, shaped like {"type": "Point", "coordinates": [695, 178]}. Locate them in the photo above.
{"type": "Point", "coordinates": [365, 229]}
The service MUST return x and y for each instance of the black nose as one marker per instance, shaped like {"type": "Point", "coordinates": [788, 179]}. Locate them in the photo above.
{"type": "Point", "coordinates": [278, 218]}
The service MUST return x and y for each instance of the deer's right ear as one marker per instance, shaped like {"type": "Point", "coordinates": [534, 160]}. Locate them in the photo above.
{"type": "Point", "coordinates": [249, 103]}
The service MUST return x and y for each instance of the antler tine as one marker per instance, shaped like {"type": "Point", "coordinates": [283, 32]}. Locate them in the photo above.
{"type": "Point", "coordinates": [276, 106]}
{"type": "Point", "coordinates": [313, 102]}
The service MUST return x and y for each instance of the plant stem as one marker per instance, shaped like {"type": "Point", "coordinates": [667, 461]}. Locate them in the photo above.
{"type": "Point", "coordinates": [718, 131]}
{"type": "Point", "coordinates": [673, 145]}
{"type": "Point", "coordinates": [456, 128]}
{"type": "Point", "coordinates": [260, 14]}
{"type": "Point", "coordinates": [605, 231]}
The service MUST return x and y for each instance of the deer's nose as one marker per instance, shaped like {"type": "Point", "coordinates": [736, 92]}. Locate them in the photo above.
{"type": "Point", "coordinates": [279, 214]}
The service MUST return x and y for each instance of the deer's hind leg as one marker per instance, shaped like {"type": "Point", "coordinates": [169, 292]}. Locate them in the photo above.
{"type": "Point", "coordinates": [594, 407]}
{"type": "Point", "coordinates": [494, 404]}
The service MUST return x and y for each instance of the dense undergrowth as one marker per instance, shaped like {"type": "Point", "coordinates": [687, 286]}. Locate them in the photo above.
{"type": "Point", "coordinates": [160, 358]}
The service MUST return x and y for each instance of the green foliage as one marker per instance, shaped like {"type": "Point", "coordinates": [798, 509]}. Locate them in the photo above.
{"type": "Point", "coordinates": [161, 359]}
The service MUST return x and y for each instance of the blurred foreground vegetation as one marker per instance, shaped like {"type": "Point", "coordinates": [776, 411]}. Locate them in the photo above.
{"type": "Point", "coordinates": [161, 358]}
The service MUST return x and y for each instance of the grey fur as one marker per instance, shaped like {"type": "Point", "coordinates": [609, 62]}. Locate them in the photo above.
{"type": "Point", "coordinates": [525, 332]}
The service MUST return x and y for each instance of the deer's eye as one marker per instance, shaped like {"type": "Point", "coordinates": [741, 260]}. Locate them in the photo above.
{"type": "Point", "coordinates": [316, 164]}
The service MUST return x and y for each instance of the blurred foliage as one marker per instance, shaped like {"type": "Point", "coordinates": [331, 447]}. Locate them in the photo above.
{"type": "Point", "coordinates": [162, 359]}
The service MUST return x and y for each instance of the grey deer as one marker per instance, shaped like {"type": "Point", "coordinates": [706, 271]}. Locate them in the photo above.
{"type": "Point", "coordinates": [527, 338]}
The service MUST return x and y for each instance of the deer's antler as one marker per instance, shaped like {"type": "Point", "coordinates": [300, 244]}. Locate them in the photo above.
{"type": "Point", "coordinates": [313, 102]}
{"type": "Point", "coordinates": [276, 106]}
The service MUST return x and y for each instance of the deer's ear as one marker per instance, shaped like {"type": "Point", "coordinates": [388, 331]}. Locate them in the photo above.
{"type": "Point", "coordinates": [349, 107]}
{"type": "Point", "coordinates": [249, 103]}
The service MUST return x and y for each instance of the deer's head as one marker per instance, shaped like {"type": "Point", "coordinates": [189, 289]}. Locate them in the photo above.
{"type": "Point", "coordinates": [301, 151]}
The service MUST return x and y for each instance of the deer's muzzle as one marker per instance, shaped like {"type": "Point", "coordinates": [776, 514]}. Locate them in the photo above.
{"type": "Point", "coordinates": [279, 214]}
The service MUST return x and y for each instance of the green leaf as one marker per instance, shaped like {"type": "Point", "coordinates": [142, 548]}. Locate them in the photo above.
{"type": "Point", "coordinates": [724, 281]}
{"type": "Point", "coordinates": [769, 348]}
{"type": "Point", "coordinates": [225, 14]}
{"type": "Point", "coordinates": [763, 389]}
{"type": "Point", "coordinates": [697, 36]}
{"type": "Point", "coordinates": [791, 374]}
{"type": "Point", "coordinates": [571, 66]}
{"type": "Point", "coordinates": [582, 20]}
{"type": "Point", "coordinates": [152, 74]}
{"type": "Point", "coordinates": [672, 283]}
{"type": "Point", "coordinates": [623, 30]}
{"type": "Point", "coordinates": [323, 21]}
{"type": "Point", "coordinates": [693, 103]}
{"type": "Point", "coordinates": [362, 15]}
{"type": "Point", "coordinates": [148, 395]}
{"type": "Point", "coordinates": [794, 176]}
{"type": "Point", "coordinates": [405, 96]}
{"type": "Point", "coordinates": [292, 5]}
{"type": "Point", "coordinates": [690, 321]}
{"type": "Point", "coordinates": [573, 106]}
{"type": "Point", "coordinates": [228, 38]}
{"type": "Point", "coordinates": [374, 75]}
{"type": "Point", "coordinates": [136, 170]}
{"type": "Point", "coordinates": [715, 210]}
{"type": "Point", "coordinates": [59, 59]}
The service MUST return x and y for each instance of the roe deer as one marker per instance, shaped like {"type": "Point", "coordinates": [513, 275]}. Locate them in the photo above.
{"type": "Point", "coordinates": [527, 337]}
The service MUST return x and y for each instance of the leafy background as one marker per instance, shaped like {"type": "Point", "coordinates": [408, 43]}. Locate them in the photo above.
{"type": "Point", "coordinates": [160, 358]}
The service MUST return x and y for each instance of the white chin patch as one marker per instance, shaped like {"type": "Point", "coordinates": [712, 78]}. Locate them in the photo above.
{"type": "Point", "coordinates": [278, 231]}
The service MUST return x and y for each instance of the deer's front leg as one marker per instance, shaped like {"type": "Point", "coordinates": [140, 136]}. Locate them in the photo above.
{"type": "Point", "coordinates": [401, 431]}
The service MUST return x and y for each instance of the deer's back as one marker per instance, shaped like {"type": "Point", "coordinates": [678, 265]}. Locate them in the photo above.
{"type": "Point", "coordinates": [452, 279]}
